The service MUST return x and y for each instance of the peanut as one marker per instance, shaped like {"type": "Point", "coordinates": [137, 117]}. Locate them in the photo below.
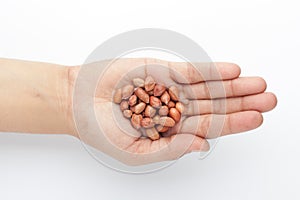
{"type": "Point", "coordinates": [127, 113]}
{"type": "Point", "coordinates": [165, 98]}
{"type": "Point", "coordinates": [150, 111]}
{"type": "Point", "coordinates": [127, 91]}
{"type": "Point", "coordinates": [150, 106]}
{"type": "Point", "coordinates": [159, 90]}
{"type": "Point", "coordinates": [175, 114]}
{"type": "Point", "coordinates": [161, 128]}
{"type": "Point", "coordinates": [166, 121]}
{"type": "Point", "coordinates": [180, 107]}
{"type": "Point", "coordinates": [164, 110]}
{"type": "Point", "coordinates": [117, 98]}
{"type": "Point", "coordinates": [138, 82]}
{"type": "Point", "coordinates": [132, 100]}
{"type": "Point", "coordinates": [155, 102]}
{"type": "Point", "coordinates": [147, 122]}
{"type": "Point", "coordinates": [171, 104]}
{"type": "Point", "coordinates": [139, 108]}
{"type": "Point", "coordinates": [152, 133]}
{"type": "Point", "coordinates": [156, 119]}
{"type": "Point", "coordinates": [136, 121]}
{"type": "Point", "coordinates": [174, 93]}
{"type": "Point", "coordinates": [149, 83]}
{"type": "Point", "coordinates": [124, 105]}
{"type": "Point", "coordinates": [142, 95]}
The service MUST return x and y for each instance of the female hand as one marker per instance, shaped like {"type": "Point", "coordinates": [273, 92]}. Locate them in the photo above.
{"type": "Point", "coordinates": [214, 94]}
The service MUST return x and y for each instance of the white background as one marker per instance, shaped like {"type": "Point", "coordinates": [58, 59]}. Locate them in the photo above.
{"type": "Point", "coordinates": [262, 36]}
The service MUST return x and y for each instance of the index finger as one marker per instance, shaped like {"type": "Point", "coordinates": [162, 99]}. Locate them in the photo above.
{"type": "Point", "coordinates": [189, 73]}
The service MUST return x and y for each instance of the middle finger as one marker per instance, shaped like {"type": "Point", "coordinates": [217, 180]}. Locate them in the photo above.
{"type": "Point", "coordinates": [242, 86]}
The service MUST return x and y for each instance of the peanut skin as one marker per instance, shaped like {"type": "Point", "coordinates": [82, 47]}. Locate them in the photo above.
{"type": "Point", "coordinates": [171, 104]}
{"type": "Point", "coordinates": [167, 121]}
{"type": "Point", "coordinates": [150, 106]}
{"type": "Point", "coordinates": [155, 102]}
{"type": "Point", "coordinates": [142, 95]}
{"type": "Point", "coordinates": [174, 93]}
{"type": "Point", "coordinates": [127, 113]}
{"type": "Point", "coordinates": [124, 105]}
{"type": "Point", "coordinates": [138, 82]}
{"type": "Point", "coordinates": [147, 122]}
{"type": "Point", "coordinates": [175, 114]}
{"type": "Point", "coordinates": [136, 121]}
{"type": "Point", "coordinates": [161, 128]}
{"type": "Point", "coordinates": [127, 91]}
{"type": "Point", "coordinates": [139, 108]}
{"type": "Point", "coordinates": [132, 100]}
{"type": "Point", "coordinates": [150, 111]}
{"type": "Point", "coordinates": [165, 98]}
{"type": "Point", "coordinates": [117, 98]}
{"type": "Point", "coordinates": [156, 119]}
{"type": "Point", "coordinates": [149, 83]}
{"type": "Point", "coordinates": [159, 90]}
{"type": "Point", "coordinates": [164, 110]}
{"type": "Point", "coordinates": [180, 107]}
{"type": "Point", "coordinates": [152, 133]}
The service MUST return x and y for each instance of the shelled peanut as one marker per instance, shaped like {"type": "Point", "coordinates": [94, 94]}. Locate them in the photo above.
{"type": "Point", "coordinates": [149, 105]}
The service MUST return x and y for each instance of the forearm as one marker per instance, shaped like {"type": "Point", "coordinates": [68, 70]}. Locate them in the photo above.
{"type": "Point", "coordinates": [34, 97]}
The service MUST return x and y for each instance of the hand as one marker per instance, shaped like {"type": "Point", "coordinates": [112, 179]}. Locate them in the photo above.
{"type": "Point", "coordinates": [216, 94]}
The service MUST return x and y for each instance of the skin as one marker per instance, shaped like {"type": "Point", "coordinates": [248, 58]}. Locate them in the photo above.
{"type": "Point", "coordinates": [39, 97]}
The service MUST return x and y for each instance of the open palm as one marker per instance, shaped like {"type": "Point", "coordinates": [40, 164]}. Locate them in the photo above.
{"type": "Point", "coordinates": [214, 94]}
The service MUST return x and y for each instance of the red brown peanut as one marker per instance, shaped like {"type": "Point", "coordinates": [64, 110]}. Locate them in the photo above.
{"type": "Point", "coordinates": [161, 128]}
{"type": "Point", "coordinates": [151, 107]}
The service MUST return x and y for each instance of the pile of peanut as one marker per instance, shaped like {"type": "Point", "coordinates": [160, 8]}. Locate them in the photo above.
{"type": "Point", "coordinates": [150, 106]}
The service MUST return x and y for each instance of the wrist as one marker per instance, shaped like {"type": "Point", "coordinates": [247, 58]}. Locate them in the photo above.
{"type": "Point", "coordinates": [35, 97]}
{"type": "Point", "coordinates": [71, 73]}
